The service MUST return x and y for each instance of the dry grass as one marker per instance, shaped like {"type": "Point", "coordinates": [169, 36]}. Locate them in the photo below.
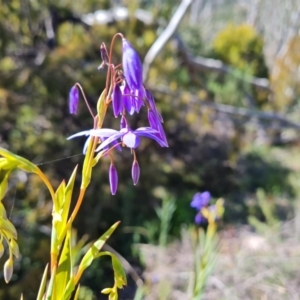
{"type": "Point", "coordinates": [250, 266]}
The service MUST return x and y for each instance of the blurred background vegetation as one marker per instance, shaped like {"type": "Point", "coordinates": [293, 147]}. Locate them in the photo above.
{"type": "Point", "coordinates": [226, 82]}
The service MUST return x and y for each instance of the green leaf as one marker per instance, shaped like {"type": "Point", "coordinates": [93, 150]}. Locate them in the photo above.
{"type": "Point", "coordinates": [64, 270]}
{"type": "Point", "coordinates": [77, 293]}
{"type": "Point", "coordinates": [101, 108]}
{"type": "Point", "coordinates": [68, 196]}
{"type": "Point", "coordinates": [94, 250]}
{"type": "Point", "coordinates": [8, 227]}
{"type": "Point", "coordinates": [78, 247]}
{"type": "Point", "coordinates": [120, 275]}
{"type": "Point", "coordinates": [50, 287]}
{"type": "Point", "coordinates": [2, 211]}
{"type": "Point", "coordinates": [64, 209]}
{"type": "Point", "coordinates": [22, 163]}
{"type": "Point", "coordinates": [87, 167]}
{"type": "Point", "coordinates": [4, 175]}
{"type": "Point", "coordinates": [43, 285]}
{"type": "Point", "coordinates": [70, 288]}
{"type": "Point", "coordinates": [59, 196]}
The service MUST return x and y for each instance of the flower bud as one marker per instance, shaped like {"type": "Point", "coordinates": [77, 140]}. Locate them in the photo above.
{"type": "Point", "coordinates": [113, 179]}
{"type": "Point", "coordinates": [117, 100]}
{"type": "Point", "coordinates": [8, 269]}
{"type": "Point", "coordinates": [73, 100]}
{"type": "Point", "coordinates": [14, 248]}
{"type": "Point", "coordinates": [132, 66]}
{"type": "Point", "coordinates": [135, 172]}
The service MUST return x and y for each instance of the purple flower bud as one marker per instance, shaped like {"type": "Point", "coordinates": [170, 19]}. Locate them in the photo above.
{"type": "Point", "coordinates": [132, 66]}
{"type": "Point", "coordinates": [73, 100]}
{"type": "Point", "coordinates": [113, 179]}
{"type": "Point", "coordinates": [135, 172]}
{"type": "Point", "coordinates": [117, 100]}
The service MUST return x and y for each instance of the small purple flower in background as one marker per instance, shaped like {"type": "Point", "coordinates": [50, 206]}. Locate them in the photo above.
{"type": "Point", "coordinates": [113, 179]}
{"type": "Point", "coordinates": [199, 201]}
{"type": "Point", "coordinates": [73, 100]}
{"type": "Point", "coordinates": [199, 219]}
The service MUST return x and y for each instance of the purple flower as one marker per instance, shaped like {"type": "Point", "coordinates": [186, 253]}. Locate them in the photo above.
{"type": "Point", "coordinates": [113, 179]}
{"type": "Point", "coordinates": [133, 72]}
{"type": "Point", "coordinates": [156, 124]}
{"type": "Point", "coordinates": [199, 219]}
{"type": "Point", "coordinates": [151, 102]}
{"type": "Point", "coordinates": [117, 100]}
{"type": "Point", "coordinates": [73, 100]}
{"type": "Point", "coordinates": [200, 200]}
{"type": "Point", "coordinates": [135, 172]}
{"type": "Point", "coordinates": [128, 99]}
{"type": "Point", "coordinates": [130, 138]}
{"type": "Point", "coordinates": [123, 123]}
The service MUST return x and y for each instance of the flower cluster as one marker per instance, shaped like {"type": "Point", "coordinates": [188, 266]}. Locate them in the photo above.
{"type": "Point", "coordinates": [126, 93]}
{"type": "Point", "coordinates": [205, 212]}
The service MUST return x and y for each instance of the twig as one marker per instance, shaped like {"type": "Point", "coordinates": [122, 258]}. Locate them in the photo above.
{"type": "Point", "coordinates": [165, 36]}
{"type": "Point", "coordinates": [229, 109]}
{"type": "Point", "coordinates": [200, 63]}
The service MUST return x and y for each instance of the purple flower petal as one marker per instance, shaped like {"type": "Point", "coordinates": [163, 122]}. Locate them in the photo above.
{"type": "Point", "coordinates": [131, 140]}
{"type": "Point", "coordinates": [81, 133]}
{"type": "Point", "coordinates": [200, 200]}
{"type": "Point", "coordinates": [152, 118]}
{"type": "Point", "coordinates": [199, 219]}
{"type": "Point", "coordinates": [109, 140]}
{"type": "Point", "coordinates": [113, 179]}
{"type": "Point", "coordinates": [123, 122]}
{"type": "Point", "coordinates": [135, 172]}
{"type": "Point", "coordinates": [132, 66]}
{"type": "Point", "coordinates": [86, 144]}
{"type": "Point", "coordinates": [117, 100]}
{"type": "Point", "coordinates": [150, 133]}
{"type": "Point", "coordinates": [162, 134]}
{"type": "Point", "coordinates": [103, 132]}
{"type": "Point", "coordinates": [128, 100]}
{"type": "Point", "coordinates": [151, 102]}
{"type": "Point", "coordinates": [138, 100]}
{"type": "Point", "coordinates": [73, 100]}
